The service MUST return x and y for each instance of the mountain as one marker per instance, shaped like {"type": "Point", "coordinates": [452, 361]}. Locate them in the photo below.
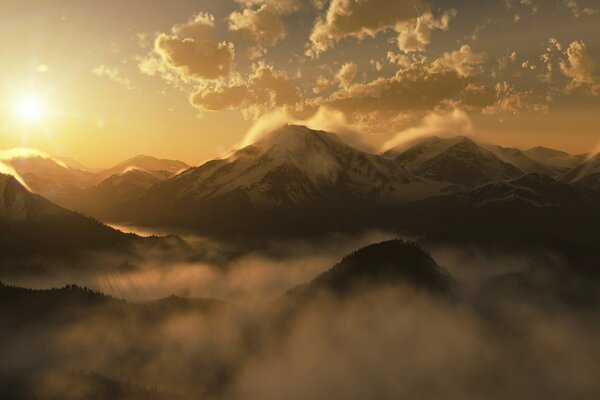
{"type": "Point", "coordinates": [72, 163]}
{"type": "Point", "coordinates": [37, 234]}
{"type": "Point", "coordinates": [586, 175]}
{"type": "Point", "coordinates": [69, 184]}
{"type": "Point", "coordinates": [17, 204]}
{"type": "Point", "coordinates": [519, 159]}
{"type": "Point", "coordinates": [32, 225]}
{"type": "Point", "coordinates": [50, 339]}
{"type": "Point", "coordinates": [292, 180]}
{"type": "Point", "coordinates": [458, 161]}
{"type": "Point", "coordinates": [46, 175]}
{"type": "Point", "coordinates": [533, 213]}
{"type": "Point", "coordinates": [116, 189]}
{"type": "Point", "coordinates": [540, 160]}
{"type": "Point", "coordinates": [536, 190]}
{"type": "Point", "coordinates": [383, 264]}
{"type": "Point", "coordinates": [146, 163]}
{"type": "Point", "coordinates": [557, 159]}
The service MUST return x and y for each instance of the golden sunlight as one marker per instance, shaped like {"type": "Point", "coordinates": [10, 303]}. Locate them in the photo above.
{"type": "Point", "coordinates": [29, 109]}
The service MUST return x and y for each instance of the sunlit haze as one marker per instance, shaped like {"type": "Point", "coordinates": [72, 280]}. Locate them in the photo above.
{"type": "Point", "coordinates": [188, 79]}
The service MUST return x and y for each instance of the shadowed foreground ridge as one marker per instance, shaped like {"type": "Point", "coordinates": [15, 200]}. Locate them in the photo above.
{"type": "Point", "coordinates": [386, 263]}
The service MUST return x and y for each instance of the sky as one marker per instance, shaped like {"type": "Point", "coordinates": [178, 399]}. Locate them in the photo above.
{"type": "Point", "coordinates": [101, 81]}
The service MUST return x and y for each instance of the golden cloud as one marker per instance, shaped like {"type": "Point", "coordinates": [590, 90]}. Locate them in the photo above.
{"type": "Point", "coordinates": [192, 50]}
{"type": "Point", "coordinates": [263, 27]}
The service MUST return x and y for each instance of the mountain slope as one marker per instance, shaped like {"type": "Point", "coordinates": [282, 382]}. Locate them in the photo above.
{"type": "Point", "coordinates": [50, 339]}
{"type": "Point", "coordinates": [586, 175]}
{"type": "Point", "coordinates": [531, 213]}
{"type": "Point", "coordinates": [32, 225]}
{"type": "Point", "coordinates": [459, 161]}
{"type": "Point", "coordinates": [557, 159]}
{"type": "Point", "coordinates": [116, 189]}
{"type": "Point", "coordinates": [48, 176]}
{"type": "Point", "coordinates": [384, 264]}
{"type": "Point", "coordinates": [17, 204]}
{"type": "Point", "coordinates": [519, 159]}
{"type": "Point", "coordinates": [294, 180]}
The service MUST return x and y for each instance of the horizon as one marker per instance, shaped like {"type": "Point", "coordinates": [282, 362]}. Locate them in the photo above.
{"type": "Point", "coordinates": [27, 152]}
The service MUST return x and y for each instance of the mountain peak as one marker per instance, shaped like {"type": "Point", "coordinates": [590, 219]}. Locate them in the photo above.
{"type": "Point", "coordinates": [295, 137]}
{"type": "Point", "coordinates": [146, 163]}
{"type": "Point", "coordinates": [547, 151]}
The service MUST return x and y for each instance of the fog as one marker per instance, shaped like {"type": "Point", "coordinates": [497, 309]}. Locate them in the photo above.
{"type": "Point", "coordinates": [379, 343]}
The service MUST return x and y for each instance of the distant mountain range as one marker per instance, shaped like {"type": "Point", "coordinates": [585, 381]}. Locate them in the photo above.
{"type": "Point", "coordinates": [290, 181]}
{"type": "Point", "coordinates": [34, 228]}
{"type": "Point", "coordinates": [459, 161]}
{"type": "Point", "coordinates": [68, 183]}
{"type": "Point", "coordinates": [586, 174]}
{"type": "Point", "coordinates": [297, 182]}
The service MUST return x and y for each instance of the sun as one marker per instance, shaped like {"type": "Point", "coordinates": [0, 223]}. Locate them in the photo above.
{"type": "Point", "coordinates": [29, 109]}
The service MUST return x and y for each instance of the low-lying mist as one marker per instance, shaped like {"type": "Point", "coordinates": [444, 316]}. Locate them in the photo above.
{"type": "Point", "coordinates": [378, 343]}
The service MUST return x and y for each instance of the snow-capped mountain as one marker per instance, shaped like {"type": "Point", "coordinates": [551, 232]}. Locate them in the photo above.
{"type": "Point", "coordinates": [46, 175]}
{"type": "Point", "coordinates": [587, 174]}
{"type": "Point", "coordinates": [146, 163]}
{"type": "Point", "coordinates": [557, 159]}
{"type": "Point", "coordinates": [519, 159]}
{"type": "Point", "coordinates": [457, 160]}
{"type": "Point", "coordinates": [291, 168]}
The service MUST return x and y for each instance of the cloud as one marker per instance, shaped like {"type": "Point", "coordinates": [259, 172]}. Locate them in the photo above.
{"type": "Point", "coordinates": [222, 97]}
{"type": "Point", "coordinates": [357, 18]}
{"type": "Point", "coordinates": [511, 100]}
{"type": "Point", "coordinates": [282, 6]}
{"type": "Point", "coordinates": [577, 11]}
{"type": "Point", "coordinates": [534, 7]}
{"type": "Point", "coordinates": [580, 67]}
{"type": "Point", "coordinates": [264, 89]}
{"type": "Point", "coordinates": [385, 104]}
{"type": "Point", "coordinates": [18, 153]}
{"type": "Point", "coordinates": [415, 35]}
{"type": "Point", "coordinates": [113, 74]}
{"type": "Point", "coordinates": [316, 118]}
{"type": "Point", "coordinates": [454, 123]}
{"type": "Point", "coordinates": [346, 74]}
{"type": "Point", "coordinates": [264, 26]}
{"type": "Point", "coordinates": [323, 84]}
{"type": "Point", "coordinates": [192, 50]}
{"type": "Point", "coordinates": [463, 61]}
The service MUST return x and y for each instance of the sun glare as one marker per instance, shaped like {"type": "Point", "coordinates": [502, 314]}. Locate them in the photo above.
{"type": "Point", "coordinates": [29, 109]}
